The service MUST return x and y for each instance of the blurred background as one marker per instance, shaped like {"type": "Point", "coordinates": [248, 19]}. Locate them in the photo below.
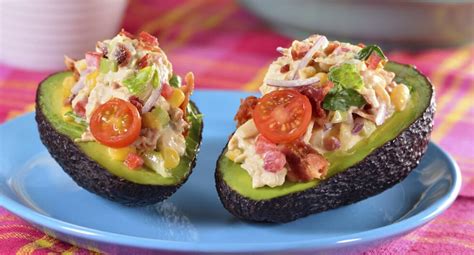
{"type": "Point", "coordinates": [229, 44]}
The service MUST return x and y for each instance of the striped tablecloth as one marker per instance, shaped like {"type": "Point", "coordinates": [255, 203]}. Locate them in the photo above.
{"type": "Point", "coordinates": [228, 48]}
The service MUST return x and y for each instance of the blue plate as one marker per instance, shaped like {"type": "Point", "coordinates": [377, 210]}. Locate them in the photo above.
{"type": "Point", "coordinates": [35, 188]}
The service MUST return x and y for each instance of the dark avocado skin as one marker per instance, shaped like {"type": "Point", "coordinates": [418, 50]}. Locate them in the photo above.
{"type": "Point", "coordinates": [382, 169]}
{"type": "Point", "coordinates": [88, 174]}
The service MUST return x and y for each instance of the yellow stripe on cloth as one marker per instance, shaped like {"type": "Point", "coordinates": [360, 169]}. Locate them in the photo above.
{"type": "Point", "coordinates": [171, 16]}
{"type": "Point", "coordinates": [448, 95]}
{"type": "Point", "coordinates": [197, 23]}
{"type": "Point", "coordinates": [453, 62]}
{"type": "Point", "coordinates": [257, 81]}
{"type": "Point", "coordinates": [44, 242]}
{"type": "Point", "coordinates": [442, 240]}
{"type": "Point", "coordinates": [457, 113]}
{"type": "Point", "coordinates": [15, 113]}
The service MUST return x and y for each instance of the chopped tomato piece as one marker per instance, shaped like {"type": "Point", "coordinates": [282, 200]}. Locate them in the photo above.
{"type": "Point", "coordinates": [80, 108]}
{"type": "Point", "coordinates": [93, 59]}
{"type": "Point", "coordinates": [166, 91]}
{"type": "Point", "coordinates": [373, 61]}
{"type": "Point", "coordinates": [282, 116]}
{"type": "Point", "coordinates": [133, 161]}
{"type": "Point", "coordinates": [116, 123]}
{"type": "Point", "coordinates": [149, 41]}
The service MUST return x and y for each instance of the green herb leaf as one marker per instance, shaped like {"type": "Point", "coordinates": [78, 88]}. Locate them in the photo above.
{"type": "Point", "coordinates": [107, 65]}
{"type": "Point", "coordinates": [76, 118]}
{"type": "Point", "coordinates": [175, 81]}
{"type": "Point", "coordinates": [347, 76]}
{"type": "Point", "coordinates": [155, 82]}
{"type": "Point", "coordinates": [365, 53]}
{"type": "Point", "coordinates": [340, 99]}
{"type": "Point", "coordinates": [136, 82]}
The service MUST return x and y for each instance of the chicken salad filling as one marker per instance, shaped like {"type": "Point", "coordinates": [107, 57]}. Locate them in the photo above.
{"type": "Point", "coordinates": [319, 96]}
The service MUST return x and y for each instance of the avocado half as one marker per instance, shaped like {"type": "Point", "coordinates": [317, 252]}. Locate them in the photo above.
{"type": "Point", "coordinates": [370, 167]}
{"type": "Point", "coordinates": [88, 164]}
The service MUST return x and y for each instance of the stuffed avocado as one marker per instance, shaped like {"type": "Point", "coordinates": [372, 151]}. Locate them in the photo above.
{"type": "Point", "coordinates": [337, 123]}
{"type": "Point", "coordinates": [120, 122]}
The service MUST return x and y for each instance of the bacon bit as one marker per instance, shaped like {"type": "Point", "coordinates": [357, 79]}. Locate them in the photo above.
{"type": "Point", "coordinates": [80, 108]}
{"type": "Point", "coordinates": [316, 97]}
{"type": "Point", "coordinates": [285, 68]}
{"type": "Point", "coordinates": [148, 41]}
{"type": "Point", "coordinates": [70, 65]}
{"type": "Point", "coordinates": [93, 59]}
{"type": "Point", "coordinates": [273, 161]}
{"type": "Point", "coordinates": [331, 143]}
{"type": "Point", "coordinates": [102, 47]}
{"type": "Point", "coordinates": [188, 89]}
{"type": "Point", "coordinates": [373, 61]}
{"type": "Point", "coordinates": [304, 162]}
{"type": "Point", "coordinates": [166, 91]}
{"type": "Point", "coordinates": [122, 54]}
{"type": "Point", "coordinates": [361, 45]}
{"type": "Point", "coordinates": [300, 51]}
{"type": "Point", "coordinates": [245, 110]}
{"type": "Point", "coordinates": [127, 34]}
{"type": "Point", "coordinates": [133, 161]}
{"type": "Point", "coordinates": [330, 48]}
{"type": "Point", "coordinates": [136, 102]}
{"type": "Point", "coordinates": [143, 62]}
{"type": "Point", "coordinates": [263, 145]}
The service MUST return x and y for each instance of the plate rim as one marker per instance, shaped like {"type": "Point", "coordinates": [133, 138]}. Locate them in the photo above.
{"type": "Point", "coordinates": [394, 229]}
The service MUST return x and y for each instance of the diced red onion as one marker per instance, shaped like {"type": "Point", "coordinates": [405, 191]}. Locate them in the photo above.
{"type": "Point", "coordinates": [291, 83]}
{"type": "Point", "coordinates": [150, 102]}
{"type": "Point", "coordinates": [78, 86]}
{"type": "Point", "coordinates": [358, 125]}
{"type": "Point", "coordinates": [327, 126]}
{"type": "Point", "coordinates": [322, 40]}
{"type": "Point", "coordinates": [281, 50]}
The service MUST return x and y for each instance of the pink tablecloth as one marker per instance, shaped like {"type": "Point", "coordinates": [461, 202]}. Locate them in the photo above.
{"type": "Point", "coordinates": [227, 48]}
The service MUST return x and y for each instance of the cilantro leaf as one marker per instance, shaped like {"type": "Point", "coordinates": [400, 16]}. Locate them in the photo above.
{"type": "Point", "coordinates": [365, 53]}
{"type": "Point", "coordinates": [175, 81]}
{"type": "Point", "coordinates": [347, 76]}
{"type": "Point", "coordinates": [340, 99]}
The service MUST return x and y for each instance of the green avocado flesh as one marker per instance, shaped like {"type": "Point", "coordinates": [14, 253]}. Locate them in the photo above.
{"type": "Point", "coordinates": [239, 180]}
{"type": "Point", "coordinates": [51, 101]}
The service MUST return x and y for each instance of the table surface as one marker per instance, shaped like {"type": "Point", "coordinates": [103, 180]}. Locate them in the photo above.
{"type": "Point", "coordinates": [233, 49]}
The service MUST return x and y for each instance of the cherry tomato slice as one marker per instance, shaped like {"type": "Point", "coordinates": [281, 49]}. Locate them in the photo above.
{"type": "Point", "coordinates": [116, 123]}
{"type": "Point", "coordinates": [282, 116]}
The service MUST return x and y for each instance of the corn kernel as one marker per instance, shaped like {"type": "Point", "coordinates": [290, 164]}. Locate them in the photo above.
{"type": "Point", "coordinates": [323, 78]}
{"type": "Point", "coordinates": [91, 80]}
{"type": "Point", "coordinates": [171, 157]}
{"type": "Point", "coordinates": [68, 82]}
{"type": "Point", "coordinates": [233, 154]}
{"type": "Point", "coordinates": [177, 98]}
{"type": "Point", "coordinates": [64, 110]}
{"type": "Point", "coordinates": [400, 96]}
{"type": "Point", "coordinates": [149, 120]}
{"type": "Point", "coordinates": [120, 154]}
{"type": "Point", "coordinates": [307, 72]}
